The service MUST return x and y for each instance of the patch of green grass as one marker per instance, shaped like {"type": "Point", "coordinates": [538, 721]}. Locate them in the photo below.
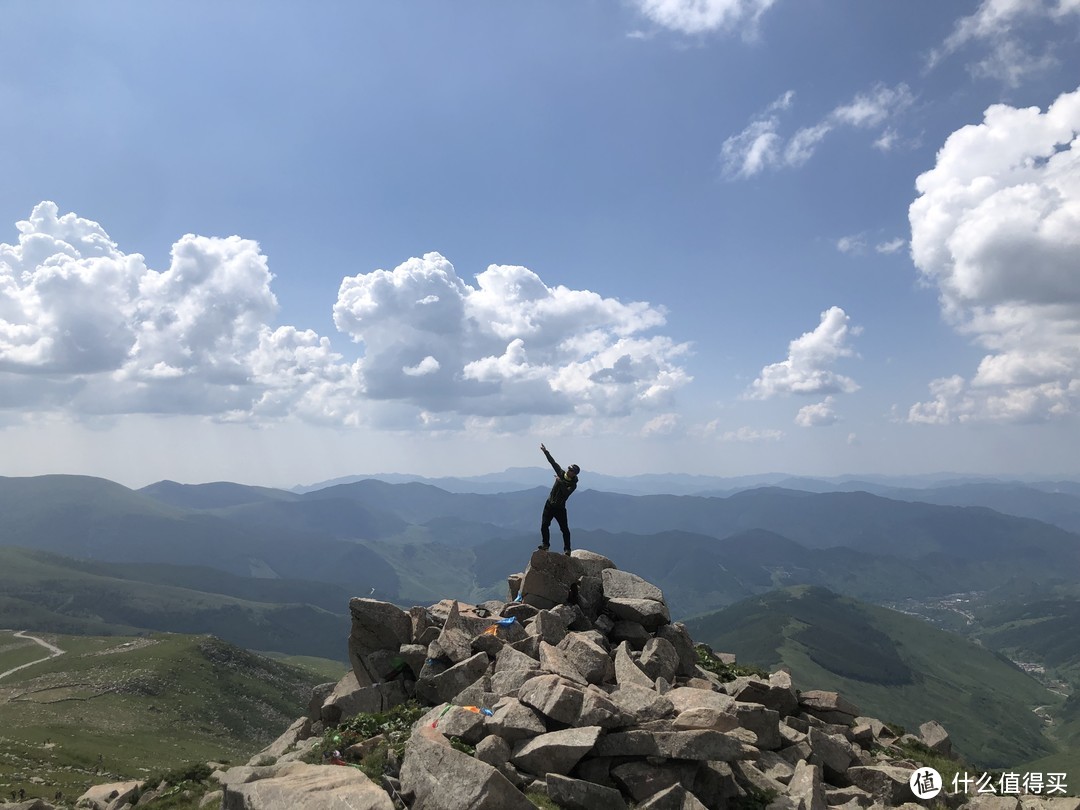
{"type": "Point", "coordinates": [395, 725]}
{"type": "Point", "coordinates": [541, 800]}
{"type": "Point", "coordinates": [128, 707]}
{"type": "Point", "coordinates": [16, 651]}
{"type": "Point", "coordinates": [325, 668]}
{"type": "Point", "coordinates": [459, 744]}
{"type": "Point", "coordinates": [726, 672]}
{"type": "Point", "coordinates": [924, 755]}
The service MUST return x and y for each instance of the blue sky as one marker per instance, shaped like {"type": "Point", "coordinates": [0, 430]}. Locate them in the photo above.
{"type": "Point", "coordinates": [279, 242]}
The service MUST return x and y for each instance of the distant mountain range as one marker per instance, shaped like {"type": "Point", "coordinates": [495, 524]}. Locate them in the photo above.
{"type": "Point", "coordinates": [514, 478]}
{"type": "Point", "coordinates": [409, 540]}
{"type": "Point", "coordinates": [273, 570]}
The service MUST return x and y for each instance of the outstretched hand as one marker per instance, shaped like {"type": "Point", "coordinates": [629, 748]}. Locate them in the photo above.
{"type": "Point", "coordinates": [542, 447]}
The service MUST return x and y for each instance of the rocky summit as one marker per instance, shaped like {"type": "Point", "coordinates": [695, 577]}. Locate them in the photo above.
{"type": "Point", "coordinates": [579, 693]}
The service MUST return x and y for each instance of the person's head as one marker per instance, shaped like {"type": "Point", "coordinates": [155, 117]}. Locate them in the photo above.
{"type": "Point", "coordinates": [573, 470]}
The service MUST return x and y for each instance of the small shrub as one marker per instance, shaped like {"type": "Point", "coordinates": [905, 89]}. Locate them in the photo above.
{"type": "Point", "coordinates": [541, 800]}
{"type": "Point", "coordinates": [726, 672]}
{"type": "Point", "coordinates": [395, 724]}
{"type": "Point", "coordinates": [195, 772]}
{"type": "Point", "coordinates": [459, 744]}
{"type": "Point", "coordinates": [374, 764]}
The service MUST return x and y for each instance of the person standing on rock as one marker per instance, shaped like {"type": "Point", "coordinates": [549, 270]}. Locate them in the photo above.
{"type": "Point", "coordinates": [555, 505]}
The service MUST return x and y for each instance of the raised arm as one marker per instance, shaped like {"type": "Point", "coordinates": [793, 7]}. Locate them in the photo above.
{"type": "Point", "coordinates": [559, 471]}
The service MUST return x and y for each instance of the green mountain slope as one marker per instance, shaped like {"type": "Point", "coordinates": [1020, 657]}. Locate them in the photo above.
{"type": "Point", "coordinates": [45, 592]}
{"type": "Point", "coordinates": [699, 573]}
{"type": "Point", "coordinates": [893, 666]}
{"type": "Point", "coordinates": [1039, 629]}
{"type": "Point", "coordinates": [90, 518]}
{"type": "Point", "coordinates": [127, 707]}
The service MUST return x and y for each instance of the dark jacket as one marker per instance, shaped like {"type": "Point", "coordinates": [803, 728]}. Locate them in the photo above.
{"type": "Point", "coordinates": [563, 487]}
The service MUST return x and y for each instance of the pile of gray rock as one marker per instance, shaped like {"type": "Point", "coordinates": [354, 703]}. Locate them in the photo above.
{"type": "Point", "coordinates": [580, 689]}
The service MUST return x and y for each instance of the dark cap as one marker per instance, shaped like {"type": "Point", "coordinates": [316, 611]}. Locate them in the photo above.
{"type": "Point", "coordinates": [574, 468]}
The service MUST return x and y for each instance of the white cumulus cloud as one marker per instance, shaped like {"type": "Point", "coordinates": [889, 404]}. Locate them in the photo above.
{"type": "Point", "coordinates": [88, 329]}
{"type": "Point", "coordinates": [702, 16]}
{"type": "Point", "coordinates": [820, 414]}
{"type": "Point", "coordinates": [996, 229]}
{"type": "Point", "coordinates": [114, 336]}
{"type": "Point", "coordinates": [510, 344]}
{"type": "Point", "coordinates": [664, 424]}
{"type": "Point", "coordinates": [808, 368]}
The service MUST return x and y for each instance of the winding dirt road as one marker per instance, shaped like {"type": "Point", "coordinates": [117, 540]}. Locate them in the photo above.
{"type": "Point", "coordinates": [52, 648]}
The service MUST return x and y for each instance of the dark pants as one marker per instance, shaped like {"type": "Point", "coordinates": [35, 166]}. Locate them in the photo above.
{"type": "Point", "coordinates": [559, 514]}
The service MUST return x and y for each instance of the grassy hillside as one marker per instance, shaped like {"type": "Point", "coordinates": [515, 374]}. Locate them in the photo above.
{"type": "Point", "coordinates": [45, 592]}
{"type": "Point", "coordinates": [126, 707]}
{"type": "Point", "coordinates": [1039, 629]}
{"type": "Point", "coordinates": [895, 667]}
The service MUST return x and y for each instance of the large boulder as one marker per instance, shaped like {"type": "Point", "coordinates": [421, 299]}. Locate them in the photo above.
{"type": "Point", "coordinates": [935, 737]}
{"type": "Point", "coordinates": [556, 751]}
{"type": "Point", "coordinates": [443, 686]}
{"type": "Point", "coordinates": [831, 707]}
{"type": "Point", "coordinates": [888, 784]}
{"type": "Point", "coordinates": [659, 659]}
{"type": "Point", "coordinates": [627, 672]}
{"type": "Point", "coordinates": [441, 778]}
{"type": "Point", "coordinates": [641, 704]}
{"type": "Point", "coordinates": [456, 635]}
{"type": "Point", "coordinates": [100, 797]}
{"type": "Point", "coordinates": [376, 626]}
{"type": "Point", "coordinates": [649, 613]}
{"type": "Point", "coordinates": [806, 787]}
{"type": "Point", "coordinates": [624, 585]}
{"type": "Point", "coordinates": [701, 744]}
{"type": "Point", "coordinates": [513, 720]}
{"type": "Point", "coordinates": [554, 697]}
{"type": "Point", "coordinates": [579, 794]}
{"type": "Point", "coordinates": [772, 695]}
{"type": "Point", "coordinates": [590, 659]}
{"type": "Point", "coordinates": [548, 579]}
{"type": "Point", "coordinates": [308, 787]}
{"type": "Point", "coordinates": [555, 661]}
{"type": "Point", "coordinates": [349, 698]}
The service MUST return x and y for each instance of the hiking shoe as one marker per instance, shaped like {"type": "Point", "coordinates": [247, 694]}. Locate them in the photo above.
{"type": "Point", "coordinates": [567, 552]}
{"type": "Point", "coordinates": [542, 547]}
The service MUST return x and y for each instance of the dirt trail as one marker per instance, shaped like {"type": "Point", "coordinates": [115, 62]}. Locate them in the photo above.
{"type": "Point", "coordinates": [52, 648]}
